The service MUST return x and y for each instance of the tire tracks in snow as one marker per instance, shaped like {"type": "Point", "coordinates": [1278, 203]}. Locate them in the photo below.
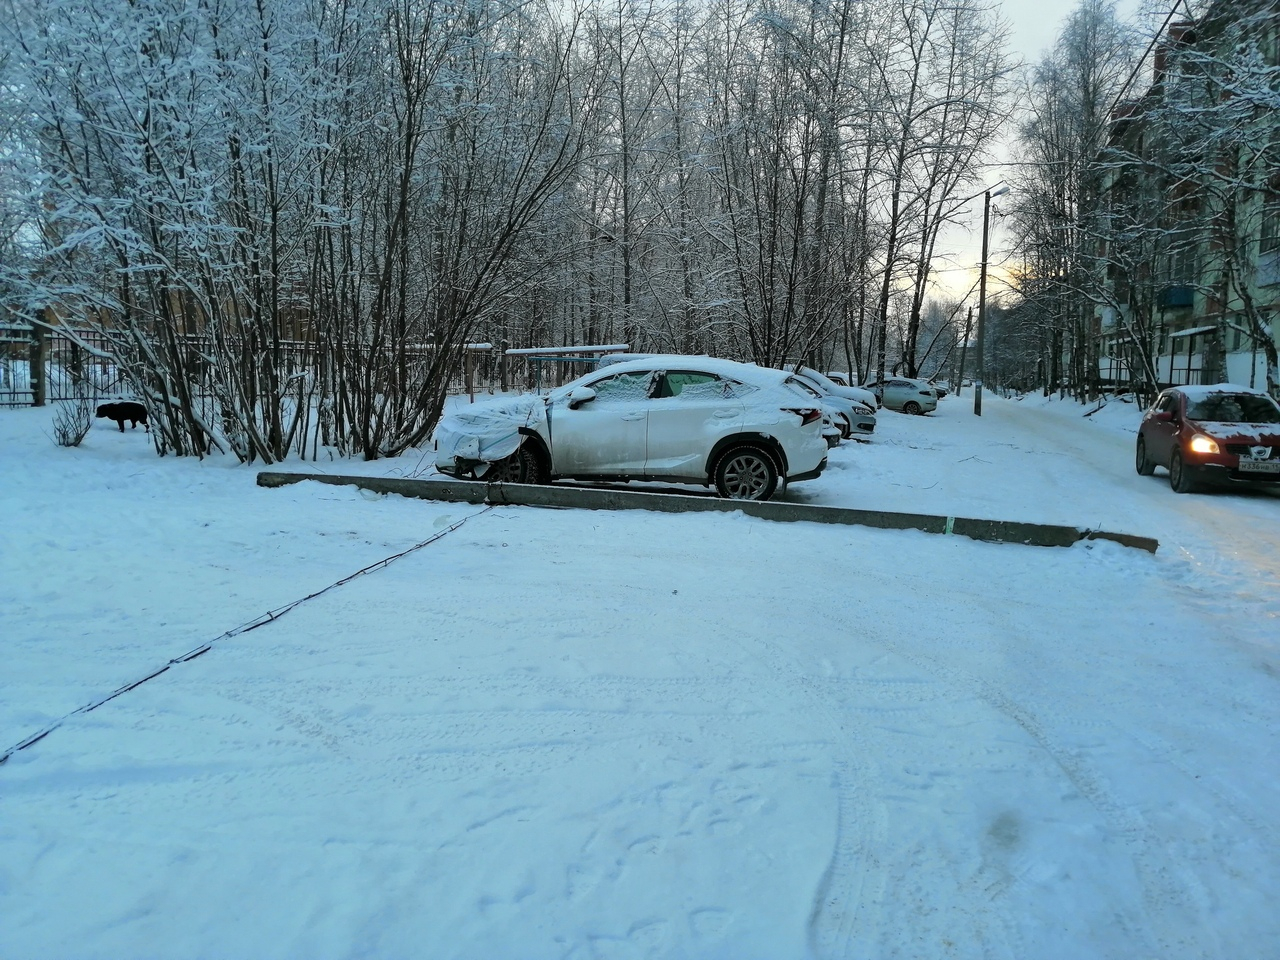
{"type": "Point", "coordinates": [1166, 887]}
{"type": "Point", "coordinates": [846, 902]}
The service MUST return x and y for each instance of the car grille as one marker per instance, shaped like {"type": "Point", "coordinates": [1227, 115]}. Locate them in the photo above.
{"type": "Point", "coordinates": [1243, 450]}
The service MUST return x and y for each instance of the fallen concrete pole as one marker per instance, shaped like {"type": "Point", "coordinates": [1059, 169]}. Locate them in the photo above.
{"type": "Point", "coordinates": [594, 498]}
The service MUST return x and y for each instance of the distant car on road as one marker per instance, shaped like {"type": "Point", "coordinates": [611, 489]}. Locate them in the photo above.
{"type": "Point", "coordinates": [905, 394]}
{"type": "Point", "coordinates": [1211, 434]}
{"type": "Point", "coordinates": [678, 419]}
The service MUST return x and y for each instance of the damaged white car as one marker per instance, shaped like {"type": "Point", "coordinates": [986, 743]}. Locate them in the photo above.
{"type": "Point", "coordinates": [667, 418]}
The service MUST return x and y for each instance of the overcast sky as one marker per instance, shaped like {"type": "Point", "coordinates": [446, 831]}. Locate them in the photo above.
{"type": "Point", "coordinates": [1035, 23]}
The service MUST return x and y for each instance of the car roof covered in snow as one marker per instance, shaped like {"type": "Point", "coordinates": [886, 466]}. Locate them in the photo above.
{"type": "Point", "coordinates": [730, 369]}
{"type": "Point", "coordinates": [1199, 391]}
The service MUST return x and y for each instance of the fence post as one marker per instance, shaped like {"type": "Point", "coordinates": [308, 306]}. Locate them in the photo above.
{"type": "Point", "coordinates": [503, 361]}
{"type": "Point", "coordinates": [36, 361]}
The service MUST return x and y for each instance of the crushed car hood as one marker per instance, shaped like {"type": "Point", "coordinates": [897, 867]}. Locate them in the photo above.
{"type": "Point", "coordinates": [488, 430]}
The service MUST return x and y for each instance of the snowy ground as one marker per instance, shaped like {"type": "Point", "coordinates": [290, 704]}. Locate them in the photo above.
{"type": "Point", "coordinates": [557, 733]}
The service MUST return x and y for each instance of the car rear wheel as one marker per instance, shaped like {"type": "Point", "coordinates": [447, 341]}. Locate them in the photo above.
{"type": "Point", "coordinates": [1179, 479]}
{"type": "Point", "coordinates": [1144, 466]}
{"type": "Point", "coordinates": [746, 473]}
{"type": "Point", "coordinates": [520, 467]}
{"type": "Point", "coordinates": [911, 407]}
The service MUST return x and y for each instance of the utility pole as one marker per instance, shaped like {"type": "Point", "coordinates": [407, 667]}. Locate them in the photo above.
{"type": "Point", "coordinates": [982, 295]}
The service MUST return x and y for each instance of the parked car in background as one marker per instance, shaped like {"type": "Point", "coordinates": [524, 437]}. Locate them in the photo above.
{"type": "Point", "coordinates": [858, 418]}
{"type": "Point", "coordinates": [905, 394]}
{"type": "Point", "coordinates": [679, 419]}
{"type": "Point", "coordinates": [836, 424]}
{"type": "Point", "coordinates": [1211, 434]}
{"type": "Point", "coordinates": [839, 388]}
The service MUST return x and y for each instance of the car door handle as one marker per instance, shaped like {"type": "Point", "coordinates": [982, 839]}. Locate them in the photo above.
{"type": "Point", "coordinates": [725, 414]}
{"type": "Point", "coordinates": [633, 416]}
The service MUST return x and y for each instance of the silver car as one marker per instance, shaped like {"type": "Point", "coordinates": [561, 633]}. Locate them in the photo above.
{"type": "Point", "coordinates": [855, 417]}
{"type": "Point", "coordinates": [839, 386]}
{"type": "Point", "coordinates": [905, 394]}
{"type": "Point", "coordinates": [678, 419]}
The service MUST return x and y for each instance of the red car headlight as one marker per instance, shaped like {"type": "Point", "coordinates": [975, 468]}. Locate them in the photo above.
{"type": "Point", "coordinates": [1202, 444]}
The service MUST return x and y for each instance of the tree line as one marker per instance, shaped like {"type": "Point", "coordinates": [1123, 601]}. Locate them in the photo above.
{"type": "Point", "coordinates": [208, 182]}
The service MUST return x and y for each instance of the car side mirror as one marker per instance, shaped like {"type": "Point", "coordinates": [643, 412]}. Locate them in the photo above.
{"type": "Point", "coordinates": [1164, 416]}
{"type": "Point", "coordinates": [580, 395]}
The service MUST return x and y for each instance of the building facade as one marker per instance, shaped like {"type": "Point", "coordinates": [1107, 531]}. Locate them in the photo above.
{"type": "Point", "coordinates": [1188, 236]}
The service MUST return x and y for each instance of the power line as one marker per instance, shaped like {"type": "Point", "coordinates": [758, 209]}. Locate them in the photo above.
{"type": "Point", "coordinates": [1124, 89]}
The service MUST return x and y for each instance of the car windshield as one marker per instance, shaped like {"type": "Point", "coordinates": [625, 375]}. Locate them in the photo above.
{"type": "Point", "coordinates": [825, 382]}
{"type": "Point", "coordinates": [1234, 408]}
{"type": "Point", "coordinates": [804, 387]}
{"type": "Point", "coordinates": [633, 385]}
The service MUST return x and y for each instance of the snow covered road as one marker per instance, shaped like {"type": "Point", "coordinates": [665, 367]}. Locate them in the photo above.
{"type": "Point", "coordinates": [576, 734]}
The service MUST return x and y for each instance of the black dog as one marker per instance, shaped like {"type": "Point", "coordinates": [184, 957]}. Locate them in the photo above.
{"type": "Point", "coordinates": [124, 410]}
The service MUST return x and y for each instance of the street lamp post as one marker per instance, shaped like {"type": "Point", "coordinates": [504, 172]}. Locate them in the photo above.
{"type": "Point", "coordinates": [982, 296]}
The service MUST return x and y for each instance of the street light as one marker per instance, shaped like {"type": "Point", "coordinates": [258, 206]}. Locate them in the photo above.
{"type": "Point", "coordinates": [982, 295]}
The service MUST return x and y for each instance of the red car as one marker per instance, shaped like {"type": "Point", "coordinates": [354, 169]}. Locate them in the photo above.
{"type": "Point", "coordinates": [1207, 434]}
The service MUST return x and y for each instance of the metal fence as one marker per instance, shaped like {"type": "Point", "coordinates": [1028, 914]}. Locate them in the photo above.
{"type": "Point", "coordinates": [53, 366]}
{"type": "Point", "coordinates": [41, 365]}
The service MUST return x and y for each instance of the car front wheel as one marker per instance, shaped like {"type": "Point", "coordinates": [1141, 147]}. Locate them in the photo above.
{"type": "Point", "coordinates": [520, 467]}
{"type": "Point", "coordinates": [1179, 479]}
{"type": "Point", "coordinates": [746, 473]}
{"type": "Point", "coordinates": [1144, 466]}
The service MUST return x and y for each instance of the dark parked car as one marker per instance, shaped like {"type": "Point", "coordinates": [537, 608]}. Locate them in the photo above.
{"type": "Point", "coordinates": [1211, 434]}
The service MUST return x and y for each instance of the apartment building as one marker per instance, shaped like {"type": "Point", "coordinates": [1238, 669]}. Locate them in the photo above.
{"type": "Point", "coordinates": [1188, 236]}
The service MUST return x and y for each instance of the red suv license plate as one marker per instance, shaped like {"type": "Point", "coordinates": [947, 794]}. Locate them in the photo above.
{"type": "Point", "coordinates": [1259, 466]}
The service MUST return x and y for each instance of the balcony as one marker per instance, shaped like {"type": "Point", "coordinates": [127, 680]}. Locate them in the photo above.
{"type": "Point", "coordinates": [1174, 297]}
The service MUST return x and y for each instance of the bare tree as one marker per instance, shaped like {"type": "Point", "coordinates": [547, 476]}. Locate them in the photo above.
{"type": "Point", "coordinates": [1058, 200]}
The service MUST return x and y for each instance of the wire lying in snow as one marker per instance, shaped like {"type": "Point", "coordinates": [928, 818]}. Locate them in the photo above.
{"type": "Point", "coordinates": [268, 617]}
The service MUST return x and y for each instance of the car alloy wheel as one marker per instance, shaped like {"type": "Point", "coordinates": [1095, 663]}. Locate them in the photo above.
{"type": "Point", "coordinates": [1144, 466]}
{"type": "Point", "coordinates": [911, 407]}
{"type": "Point", "coordinates": [746, 473]}
{"type": "Point", "coordinates": [520, 467]}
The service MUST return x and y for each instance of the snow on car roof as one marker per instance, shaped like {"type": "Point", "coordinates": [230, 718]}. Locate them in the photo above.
{"type": "Point", "coordinates": [746, 372]}
{"type": "Point", "coordinates": [1199, 391]}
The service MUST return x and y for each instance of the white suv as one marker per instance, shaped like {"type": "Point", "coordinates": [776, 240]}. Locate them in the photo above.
{"type": "Point", "coordinates": [671, 418]}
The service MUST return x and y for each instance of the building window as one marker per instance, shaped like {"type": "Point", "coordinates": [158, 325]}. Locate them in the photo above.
{"type": "Point", "coordinates": [1270, 235]}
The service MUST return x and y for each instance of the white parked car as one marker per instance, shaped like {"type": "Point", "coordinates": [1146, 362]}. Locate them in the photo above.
{"type": "Point", "coordinates": [905, 394]}
{"type": "Point", "coordinates": [835, 420]}
{"type": "Point", "coordinates": [840, 387]}
{"type": "Point", "coordinates": [853, 417]}
{"type": "Point", "coordinates": [684, 419]}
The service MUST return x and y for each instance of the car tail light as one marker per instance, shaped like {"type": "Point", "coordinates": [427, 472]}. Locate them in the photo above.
{"type": "Point", "coordinates": [806, 414]}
